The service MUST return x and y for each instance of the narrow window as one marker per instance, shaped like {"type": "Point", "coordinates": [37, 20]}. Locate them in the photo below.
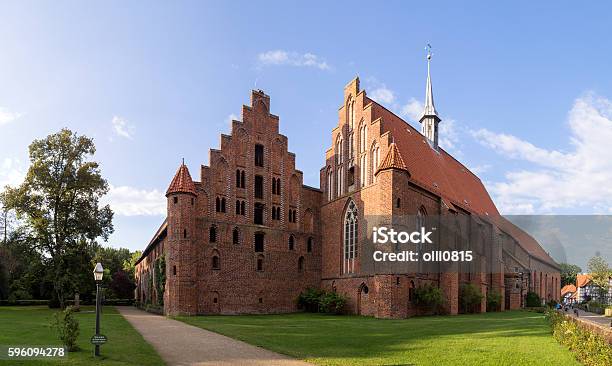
{"type": "Point", "coordinates": [236, 236]}
{"type": "Point", "coordinates": [216, 263]}
{"type": "Point", "coordinates": [350, 238]}
{"type": "Point", "coordinates": [301, 264]}
{"type": "Point", "coordinates": [212, 234]}
{"type": "Point", "coordinates": [185, 233]}
{"type": "Point", "coordinates": [351, 176]}
{"type": "Point", "coordinates": [259, 242]}
{"type": "Point", "coordinates": [273, 213]}
{"type": "Point", "coordinates": [218, 205]}
{"type": "Point", "coordinates": [261, 300]}
{"type": "Point", "coordinates": [242, 180]}
{"type": "Point", "coordinates": [258, 214]}
{"type": "Point", "coordinates": [192, 201]}
{"type": "Point", "coordinates": [309, 245]}
{"type": "Point", "coordinates": [259, 186]}
{"type": "Point", "coordinates": [237, 178]}
{"type": "Point", "coordinates": [398, 203]}
{"type": "Point", "coordinates": [273, 185]}
{"type": "Point", "coordinates": [237, 207]}
{"type": "Point", "coordinates": [174, 270]}
{"type": "Point", "coordinates": [260, 263]}
{"type": "Point", "coordinates": [215, 300]}
{"type": "Point", "coordinates": [290, 215]}
{"type": "Point", "coordinates": [243, 208]}
{"type": "Point", "coordinates": [278, 186]}
{"type": "Point", "coordinates": [223, 205]}
{"type": "Point", "coordinates": [259, 155]}
{"type": "Point", "coordinates": [175, 200]}
{"type": "Point", "coordinates": [291, 242]}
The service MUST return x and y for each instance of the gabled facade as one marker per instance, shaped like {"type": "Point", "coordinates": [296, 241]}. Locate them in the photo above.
{"type": "Point", "coordinates": [248, 237]}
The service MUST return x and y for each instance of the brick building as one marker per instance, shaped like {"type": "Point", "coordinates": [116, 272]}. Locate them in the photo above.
{"type": "Point", "coordinates": [249, 236]}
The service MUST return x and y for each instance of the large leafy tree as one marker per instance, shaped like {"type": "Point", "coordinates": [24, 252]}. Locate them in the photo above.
{"type": "Point", "coordinates": [569, 273]}
{"type": "Point", "coordinates": [600, 272]}
{"type": "Point", "coordinates": [59, 204]}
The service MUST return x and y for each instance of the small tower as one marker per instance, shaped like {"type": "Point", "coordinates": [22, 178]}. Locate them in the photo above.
{"type": "Point", "coordinates": [180, 294]}
{"type": "Point", "coordinates": [429, 120]}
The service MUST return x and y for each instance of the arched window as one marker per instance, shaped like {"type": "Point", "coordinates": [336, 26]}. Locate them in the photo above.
{"type": "Point", "coordinates": [374, 161]}
{"type": "Point", "coordinates": [242, 180]}
{"type": "Point", "coordinates": [350, 238]}
{"type": "Point", "coordinates": [218, 205]}
{"type": "Point", "coordinates": [291, 242]}
{"type": "Point", "coordinates": [330, 184]}
{"type": "Point", "coordinates": [236, 236]}
{"type": "Point", "coordinates": [350, 112]}
{"type": "Point", "coordinates": [350, 146]}
{"type": "Point", "coordinates": [301, 264]}
{"type": "Point", "coordinates": [237, 207]}
{"type": "Point", "coordinates": [185, 234]}
{"type": "Point", "coordinates": [223, 204]}
{"type": "Point", "coordinates": [278, 186]}
{"type": "Point", "coordinates": [363, 169]}
{"type": "Point", "coordinates": [237, 178]}
{"type": "Point", "coordinates": [216, 262]}
{"type": "Point", "coordinates": [273, 185]}
{"type": "Point", "coordinates": [339, 150]}
{"type": "Point", "coordinates": [309, 245]}
{"type": "Point", "coordinates": [212, 234]}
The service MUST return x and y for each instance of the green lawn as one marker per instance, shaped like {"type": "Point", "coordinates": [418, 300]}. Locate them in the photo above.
{"type": "Point", "coordinates": [507, 338]}
{"type": "Point", "coordinates": [29, 325]}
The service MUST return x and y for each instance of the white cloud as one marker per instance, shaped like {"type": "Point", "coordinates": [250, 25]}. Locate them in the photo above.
{"type": "Point", "coordinates": [122, 127]}
{"type": "Point", "coordinates": [412, 110]}
{"type": "Point", "coordinates": [232, 117]}
{"type": "Point", "coordinates": [554, 180]}
{"type": "Point", "coordinates": [281, 57]}
{"type": "Point", "coordinates": [130, 201]}
{"type": "Point", "coordinates": [382, 95]}
{"type": "Point", "coordinates": [7, 116]}
{"type": "Point", "coordinates": [12, 173]}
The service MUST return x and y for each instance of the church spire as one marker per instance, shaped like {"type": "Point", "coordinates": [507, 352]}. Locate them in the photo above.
{"type": "Point", "coordinates": [429, 120]}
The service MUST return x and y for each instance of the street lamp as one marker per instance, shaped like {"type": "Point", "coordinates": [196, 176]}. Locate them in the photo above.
{"type": "Point", "coordinates": [98, 273]}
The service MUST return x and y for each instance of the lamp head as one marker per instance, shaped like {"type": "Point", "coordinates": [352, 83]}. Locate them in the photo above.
{"type": "Point", "coordinates": [98, 272]}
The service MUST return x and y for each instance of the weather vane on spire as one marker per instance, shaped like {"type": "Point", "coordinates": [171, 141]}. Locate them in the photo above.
{"type": "Point", "coordinates": [428, 49]}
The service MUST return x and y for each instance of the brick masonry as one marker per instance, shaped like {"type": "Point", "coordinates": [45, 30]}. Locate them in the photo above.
{"type": "Point", "coordinates": [213, 267]}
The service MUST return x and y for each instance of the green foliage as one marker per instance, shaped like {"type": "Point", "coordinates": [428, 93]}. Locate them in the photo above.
{"type": "Point", "coordinates": [58, 204]}
{"type": "Point", "coordinates": [600, 272]}
{"type": "Point", "coordinates": [332, 303]}
{"type": "Point", "coordinates": [160, 279]}
{"type": "Point", "coordinates": [67, 328]}
{"type": "Point", "coordinates": [568, 273]}
{"type": "Point", "coordinates": [494, 300]}
{"type": "Point", "coordinates": [469, 297]}
{"type": "Point", "coordinates": [589, 348]}
{"type": "Point", "coordinates": [532, 300]}
{"type": "Point", "coordinates": [429, 296]}
{"type": "Point", "coordinates": [317, 300]}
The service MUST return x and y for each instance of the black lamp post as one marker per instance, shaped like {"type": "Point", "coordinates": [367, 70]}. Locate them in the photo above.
{"type": "Point", "coordinates": [98, 273]}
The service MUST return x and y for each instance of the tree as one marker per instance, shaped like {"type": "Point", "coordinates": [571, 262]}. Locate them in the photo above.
{"type": "Point", "coordinates": [122, 285]}
{"type": "Point", "coordinates": [569, 273]}
{"type": "Point", "coordinates": [130, 264]}
{"type": "Point", "coordinates": [59, 203]}
{"type": "Point", "coordinates": [600, 272]}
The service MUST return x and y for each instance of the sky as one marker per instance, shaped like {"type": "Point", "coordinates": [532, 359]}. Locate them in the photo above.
{"type": "Point", "coordinates": [524, 90]}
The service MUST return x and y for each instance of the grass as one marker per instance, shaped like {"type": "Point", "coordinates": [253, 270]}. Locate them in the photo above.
{"type": "Point", "coordinates": [505, 338]}
{"type": "Point", "coordinates": [29, 325]}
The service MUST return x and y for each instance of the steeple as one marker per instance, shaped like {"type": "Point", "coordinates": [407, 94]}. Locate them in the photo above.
{"type": "Point", "coordinates": [429, 120]}
{"type": "Point", "coordinates": [182, 182]}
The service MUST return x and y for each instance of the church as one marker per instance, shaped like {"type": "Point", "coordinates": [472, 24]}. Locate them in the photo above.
{"type": "Point", "coordinates": [248, 237]}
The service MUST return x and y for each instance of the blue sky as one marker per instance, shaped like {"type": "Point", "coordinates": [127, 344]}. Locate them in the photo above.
{"type": "Point", "coordinates": [524, 89]}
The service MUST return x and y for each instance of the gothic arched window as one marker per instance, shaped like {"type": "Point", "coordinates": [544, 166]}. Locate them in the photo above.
{"type": "Point", "coordinates": [330, 184]}
{"type": "Point", "coordinates": [374, 161]}
{"type": "Point", "coordinates": [351, 236]}
{"type": "Point", "coordinates": [291, 242]}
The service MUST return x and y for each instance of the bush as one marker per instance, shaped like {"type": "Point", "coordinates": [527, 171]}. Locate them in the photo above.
{"type": "Point", "coordinates": [494, 300]}
{"type": "Point", "coordinates": [532, 300]}
{"type": "Point", "coordinates": [315, 300]}
{"type": "Point", "coordinates": [331, 303]}
{"type": "Point", "coordinates": [470, 297]}
{"type": "Point", "coordinates": [589, 348]}
{"type": "Point", "coordinates": [429, 296]}
{"type": "Point", "coordinates": [67, 328]}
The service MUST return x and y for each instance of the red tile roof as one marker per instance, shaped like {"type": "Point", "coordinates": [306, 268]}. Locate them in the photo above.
{"type": "Point", "coordinates": [440, 173]}
{"type": "Point", "coordinates": [582, 280]}
{"type": "Point", "coordinates": [182, 182]}
{"type": "Point", "coordinates": [568, 289]}
{"type": "Point", "coordinates": [393, 160]}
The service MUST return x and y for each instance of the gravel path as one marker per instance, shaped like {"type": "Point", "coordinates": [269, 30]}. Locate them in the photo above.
{"type": "Point", "coordinates": [592, 317]}
{"type": "Point", "coordinates": [181, 344]}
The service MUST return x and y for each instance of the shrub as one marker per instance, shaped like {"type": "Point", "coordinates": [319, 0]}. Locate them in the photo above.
{"type": "Point", "coordinates": [589, 348]}
{"type": "Point", "coordinates": [552, 303]}
{"type": "Point", "coordinates": [470, 296]}
{"type": "Point", "coordinates": [494, 300]}
{"type": "Point", "coordinates": [429, 296]}
{"type": "Point", "coordinates": [532, 300]}
{"type": "Point", "coordinates": [331, 303]}
{"type": "Point", "coordinates": [316, 300]}
{"type": "Point", "coordinates": [67, 328]}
